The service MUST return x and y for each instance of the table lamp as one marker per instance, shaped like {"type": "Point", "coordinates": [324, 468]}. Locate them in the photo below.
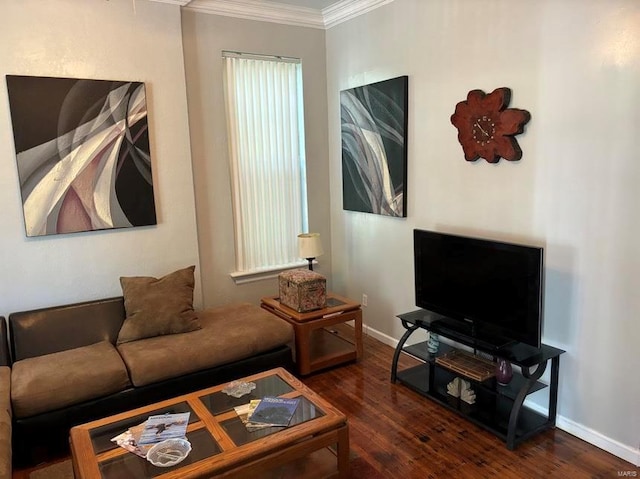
{"type": "Point", "coordinates": [309, 247]}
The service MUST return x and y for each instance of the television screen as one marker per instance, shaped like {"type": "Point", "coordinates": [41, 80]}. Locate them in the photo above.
{"type": "Point", "coordinates": [493, 289]}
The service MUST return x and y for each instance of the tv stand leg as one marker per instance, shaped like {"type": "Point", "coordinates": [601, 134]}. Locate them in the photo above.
{"type": "Point", "coordinates": [396, 355]}
{"type": "Point", "coordinates": [553, 390]}
{"type": "Point", "coordinates": [519, 401]}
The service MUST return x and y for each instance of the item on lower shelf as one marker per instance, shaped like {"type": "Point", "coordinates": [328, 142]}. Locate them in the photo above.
{"type": "Point", "coordinates": [453, 388]}
{"type": "Point", "coordinates": [462, 389]}
{"type": "Point", "coordinates": [468, 396]}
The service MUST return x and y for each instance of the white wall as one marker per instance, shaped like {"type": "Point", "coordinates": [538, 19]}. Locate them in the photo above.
{"type": "Point", "coordinates": [102, 40]}
{"type": "Point", "coordinates": [575, 65]}
{"type": "Point", "coordinates": [205, 36]}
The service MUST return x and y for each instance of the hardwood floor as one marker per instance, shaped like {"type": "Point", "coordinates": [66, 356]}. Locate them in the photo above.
{"type": "Point", "coordinates": [396, 433]}
{"type": "Point", "coordinates": [399, 433]}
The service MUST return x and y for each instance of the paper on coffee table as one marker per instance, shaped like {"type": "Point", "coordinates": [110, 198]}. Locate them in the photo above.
{"type": "Point", "coordinates": [164, 426]}
{"type": "Point", "coordinates": [128, 440]}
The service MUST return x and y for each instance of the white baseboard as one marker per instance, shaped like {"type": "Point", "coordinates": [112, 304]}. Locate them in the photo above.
{"type": "Point", "coordinates": [383, 338]}
{"type": "Point", "coordinates": [623, 451]}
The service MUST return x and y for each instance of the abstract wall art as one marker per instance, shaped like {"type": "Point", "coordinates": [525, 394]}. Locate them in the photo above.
{"type": "Point", "coordinates": [374, 147]}
{"type": "Point", "coordinates": [82, 151]}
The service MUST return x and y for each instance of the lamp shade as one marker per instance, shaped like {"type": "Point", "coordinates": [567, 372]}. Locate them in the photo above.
{"type": "Point", "coordinates": [309, 245]}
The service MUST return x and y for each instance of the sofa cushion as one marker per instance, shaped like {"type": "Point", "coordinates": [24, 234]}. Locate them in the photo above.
{"type": "Point", "coordinates": [156, 307]}
{"type": "Point", "coordinates": [56, 380]}
{"type": "Point", "coordinates": [5, 423]}
{"type": "Point", "coordinates": [229, 333]}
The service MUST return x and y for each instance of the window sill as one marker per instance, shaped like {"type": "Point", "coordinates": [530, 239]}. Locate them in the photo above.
{"type": "Point", "coordinates": [242, 277]}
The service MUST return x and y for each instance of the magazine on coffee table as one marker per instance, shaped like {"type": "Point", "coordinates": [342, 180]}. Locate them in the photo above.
{"type": "Point", "coordinates": [164, 426]}
{"type": "Point", "coordinates": [244, 413]}
{"type": "Point", "coordinates": [274, 411]}
{"type": "Point", "coordinates": [128, 440]}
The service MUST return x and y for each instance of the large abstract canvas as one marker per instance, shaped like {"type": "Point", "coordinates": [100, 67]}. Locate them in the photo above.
{"type": "Point", "coordinates": [374, 147]}
{"type": "Point", "coordinates": [82, 150]}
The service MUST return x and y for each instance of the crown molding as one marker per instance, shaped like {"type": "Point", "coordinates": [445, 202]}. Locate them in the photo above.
{"type": "Point", "coordinates": [347, 9]}
{"type": "Point", "coordinates": [268, 11]}
{"type": "Point", "coordinates": [265, 11]}
{"type": "Point", "coordinates": [181, 3]}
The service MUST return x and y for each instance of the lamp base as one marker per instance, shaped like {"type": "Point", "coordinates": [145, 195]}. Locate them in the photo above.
{"type": "Point", "coordinates": [310, 260]}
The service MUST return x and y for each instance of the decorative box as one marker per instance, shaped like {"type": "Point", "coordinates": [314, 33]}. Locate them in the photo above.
{"type": "Point", "coordinates": [302, 290]}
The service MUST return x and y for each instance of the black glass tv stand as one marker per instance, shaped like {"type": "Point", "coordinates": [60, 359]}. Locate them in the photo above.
{"type": "Point", "coordinates": [498, 408]}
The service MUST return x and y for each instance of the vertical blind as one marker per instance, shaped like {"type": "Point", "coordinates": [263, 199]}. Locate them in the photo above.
{"type": "Point", "coordinates": [266, 146]}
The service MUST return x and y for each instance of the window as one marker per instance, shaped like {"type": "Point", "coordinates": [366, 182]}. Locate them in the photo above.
{"type": "Point", "coordinates": [265, 127]}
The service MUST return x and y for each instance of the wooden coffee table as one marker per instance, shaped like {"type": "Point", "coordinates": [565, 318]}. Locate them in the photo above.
{"type": "Point", "coordinates": [222, 446]}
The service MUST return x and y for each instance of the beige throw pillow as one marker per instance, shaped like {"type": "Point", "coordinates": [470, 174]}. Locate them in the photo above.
{"type": "Point", "coordinates": [156, 307]}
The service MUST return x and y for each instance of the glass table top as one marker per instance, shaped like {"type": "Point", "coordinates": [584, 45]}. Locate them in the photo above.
{"type": "Point", "coordinates": [101, 436]}
{"type": "Point", "coordinates": [130, 465]}
{"type": "Point", "coordinates": [219, 402]}
{"type": "Point", "coordinates": [227, 425]}
{"type": "Point", "coordinates": [238, 433]}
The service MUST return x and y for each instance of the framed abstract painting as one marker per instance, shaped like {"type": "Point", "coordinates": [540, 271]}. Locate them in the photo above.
{"type": "Point", "coordinates": [374, 147]}
{"type": "Point", "coordinates": [82, 151]}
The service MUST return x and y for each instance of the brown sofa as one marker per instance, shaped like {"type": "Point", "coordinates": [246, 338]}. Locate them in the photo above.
{"type": "Point", "coordinates": [5, 404]}
{"type": "Point", "coordinates": [67, 367]}
{"type": "Point", "coordinates": [5, 423]}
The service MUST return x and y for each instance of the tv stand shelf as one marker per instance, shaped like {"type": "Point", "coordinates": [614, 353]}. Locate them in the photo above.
{"type": "Point", "coordinates": [498, 409]}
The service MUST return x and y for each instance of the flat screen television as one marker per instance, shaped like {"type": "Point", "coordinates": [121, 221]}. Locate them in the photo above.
{"type": "Point", "coordinates": [490, 291]}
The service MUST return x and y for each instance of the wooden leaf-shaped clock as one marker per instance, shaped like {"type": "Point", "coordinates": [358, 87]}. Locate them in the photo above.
{"type": "Point", "coordinates": [486, 127]}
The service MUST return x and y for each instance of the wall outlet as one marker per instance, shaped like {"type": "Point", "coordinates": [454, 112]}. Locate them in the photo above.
{"type": "Point", "coordinates": [364, 300]}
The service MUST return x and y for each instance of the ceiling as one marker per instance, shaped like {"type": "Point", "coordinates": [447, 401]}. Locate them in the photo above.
{"type": "Point", "coordinates": [308, 13]}
{"type": "Point", "coordinates": [312, 4]}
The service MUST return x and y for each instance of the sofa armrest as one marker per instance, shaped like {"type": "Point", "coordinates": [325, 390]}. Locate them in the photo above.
{"type": "Point", "coordinates": [5, 359]}
{"type": "Point", "coordinates": [5, 422]}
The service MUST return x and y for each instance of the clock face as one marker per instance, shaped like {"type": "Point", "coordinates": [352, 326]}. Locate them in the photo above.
{"type": "Point", "coordinates": [483, 130]}
{"type": "Point", "coordinates": [487, 128]}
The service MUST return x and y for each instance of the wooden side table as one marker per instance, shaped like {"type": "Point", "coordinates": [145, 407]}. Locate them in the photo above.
{"type": "Point", "coordinates": [316, 347]}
